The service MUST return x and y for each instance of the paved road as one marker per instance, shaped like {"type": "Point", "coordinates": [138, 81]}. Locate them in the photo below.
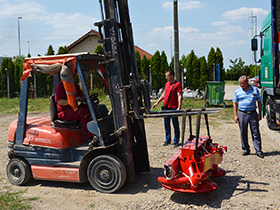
{"type": "Point", "coordinates": [229, 91]}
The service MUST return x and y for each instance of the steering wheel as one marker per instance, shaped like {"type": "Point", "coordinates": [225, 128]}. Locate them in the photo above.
{"type": "Point", "coordinates": [94, 98]}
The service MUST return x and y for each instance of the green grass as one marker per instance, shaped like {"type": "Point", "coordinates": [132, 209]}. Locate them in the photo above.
{"type": "Point", "coordinates": [232, 82]}
{"type": "Point", "coordinates": [13, 200]}
{"type": "Point", "coordinates": [11, 106]}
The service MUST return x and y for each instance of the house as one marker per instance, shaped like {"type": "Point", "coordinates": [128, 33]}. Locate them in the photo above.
{"type": "Point", "coordinates": [89, 41]}
{"type": "Point", "coordinates": [86, 43]}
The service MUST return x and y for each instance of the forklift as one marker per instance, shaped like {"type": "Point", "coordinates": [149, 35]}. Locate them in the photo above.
{"type": "Point", "coordinates": [46, 148]}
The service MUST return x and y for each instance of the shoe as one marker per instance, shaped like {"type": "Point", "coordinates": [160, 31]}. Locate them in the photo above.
{"type": "Point", "coordinates": [176, 144]}
{"type": "Point", "coordinates": [245, 153]}
{"type": "Point", "coordinates": [166, 143]}
{"type": "Point", "coordinates": [260, 155]}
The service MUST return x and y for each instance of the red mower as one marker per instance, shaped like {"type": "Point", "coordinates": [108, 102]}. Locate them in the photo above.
{"type": "Point", "coordinates": [189, 169]}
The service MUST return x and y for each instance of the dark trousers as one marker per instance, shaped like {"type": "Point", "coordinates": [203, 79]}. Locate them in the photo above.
{"type": "Point", "coordinates": [167, 127]}
{"type": "Point", "coordinates": [81, 114]}
{"type": "Point", "coordinates": [252, 120]}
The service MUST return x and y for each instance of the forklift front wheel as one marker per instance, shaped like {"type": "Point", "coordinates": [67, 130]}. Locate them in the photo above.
{"type": "Point", "coordinates": [106, 173]}
{"type": "Point", "coordinates": [18, 171]}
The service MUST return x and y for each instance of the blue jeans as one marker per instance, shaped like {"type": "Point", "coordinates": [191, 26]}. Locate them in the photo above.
{"type": "Point", "coordinates": [175, 123]}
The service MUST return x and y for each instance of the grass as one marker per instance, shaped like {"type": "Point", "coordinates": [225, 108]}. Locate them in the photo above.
{"type": "Point", "coordinates": [232, 82]}
{"type": "Point", "coordinates": [11, 106]}
{"type": "Point", "coordinates": [13, 200]}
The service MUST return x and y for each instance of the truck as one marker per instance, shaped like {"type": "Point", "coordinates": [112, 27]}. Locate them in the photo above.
{"type": "Point", "coordinates": [269, 75]}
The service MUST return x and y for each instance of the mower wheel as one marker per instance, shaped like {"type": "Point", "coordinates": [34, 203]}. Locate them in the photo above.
{"type": "Point", "coordinates": [106, 173]}
{"type": "Point", "coordinates": [18, 171]}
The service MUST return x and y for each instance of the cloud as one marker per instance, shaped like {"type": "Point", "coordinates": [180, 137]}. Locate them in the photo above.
{"type": "Point", "coordinates": [68, 25]}
{"type": "Point", "coordinates": [169, 30]}
{"type": "Point", "coordinates": [186, 5]}
{"type": "Point", "coordinates": [28, 10]}
{"type": "Point", "coordinates": [243, 13]}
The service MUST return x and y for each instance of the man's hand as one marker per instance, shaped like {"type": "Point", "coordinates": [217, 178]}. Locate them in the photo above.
{"type": "Point", "coordinates": [155, 105]}
{"type": "Point", "coordinates": [236, 119]}
{"type": "Point", "coordinates": [259, 117]}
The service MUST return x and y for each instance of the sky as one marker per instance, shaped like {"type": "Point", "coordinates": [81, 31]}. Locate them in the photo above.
{"type": "Point", "coordinates": [202, 24]}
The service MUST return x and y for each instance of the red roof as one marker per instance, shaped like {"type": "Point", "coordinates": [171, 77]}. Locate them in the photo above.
{"type": "Point", "coordinates": [142, 52]}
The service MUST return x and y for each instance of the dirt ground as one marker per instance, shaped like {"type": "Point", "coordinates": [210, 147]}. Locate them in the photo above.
{"type": "Point", "coordinates": [250, 182]}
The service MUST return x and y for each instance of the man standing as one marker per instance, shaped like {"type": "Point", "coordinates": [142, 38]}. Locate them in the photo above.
{"type": "Point", "coordinates": [244, 107]}
{"type": "Point", "coordinates": [172, 97]}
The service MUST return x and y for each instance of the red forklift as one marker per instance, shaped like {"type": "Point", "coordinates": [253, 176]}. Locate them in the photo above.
{"type": "Point", "coordinates": [47, 148]}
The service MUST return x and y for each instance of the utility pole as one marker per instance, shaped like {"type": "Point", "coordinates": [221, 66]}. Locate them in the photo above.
{"type": "Point", "coordinates": [19, 50]}
{"type": "Point", "coordinates": [176, 42]}
{"type": "Point", "coordinates": [253, 25]}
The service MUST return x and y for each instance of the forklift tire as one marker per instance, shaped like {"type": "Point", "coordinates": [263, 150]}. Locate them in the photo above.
{"type": "Point", "coordinates": [106, 173]}
{"type": "Point", "coordinates": [18, 171]}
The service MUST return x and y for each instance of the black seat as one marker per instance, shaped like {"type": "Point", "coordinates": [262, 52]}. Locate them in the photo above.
{"type": "Point", "coordinates": [60, 123]}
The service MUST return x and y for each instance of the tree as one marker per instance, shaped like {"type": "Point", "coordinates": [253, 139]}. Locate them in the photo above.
{"type": "Point", "coordinates": [99, 50]}
{"type": "Point", "coordinates": [18, 69]}
{"type": "Point", "coordinates": [189, 69]}
{"type": "Point", "coordinates": [155, 68]}
{"type": "Point", "coordinates": [171, 66]}
{"type": "Point", "coordinates": [62, 50]}
{"type": "Point", "coordinates": [138, 62]}
{"type": "Point", "coordinates": [196, 72]}
{"type": "Point", "coordinates": [203, 73]}
{"type": "Point", "coordinates": [220, 60]}
{"type": "Point", "coordinates": [235, 69]}
{"type": "Point", "coordinates": [50, 50]}
{"type": "Point", "coordinates": [144, 68]}
{"type": "Point", "coordinates": [210, 60]}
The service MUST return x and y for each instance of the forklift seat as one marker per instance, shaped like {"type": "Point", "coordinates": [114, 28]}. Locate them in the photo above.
{"type": "Point", "coordinates": [59, 123]}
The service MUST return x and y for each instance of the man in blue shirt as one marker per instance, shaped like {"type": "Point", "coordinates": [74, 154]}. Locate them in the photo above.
{"type": "Point", "coordinates": [244, 107]}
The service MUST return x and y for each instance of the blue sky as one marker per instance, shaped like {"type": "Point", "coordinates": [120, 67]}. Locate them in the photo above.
{"type": "Point", "coordinates": [202, 24]}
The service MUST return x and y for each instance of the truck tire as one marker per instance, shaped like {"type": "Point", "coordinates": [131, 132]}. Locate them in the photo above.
{"type": "Point", "coordinates": [18, 171]}
{"type": "Point", "coordinates": [106, 173]}
{"type": "Point", "coordinates": [270, 114]}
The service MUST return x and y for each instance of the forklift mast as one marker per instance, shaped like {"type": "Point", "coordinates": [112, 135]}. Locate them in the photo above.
{"type": "Point", "coordinates": [125, 91]}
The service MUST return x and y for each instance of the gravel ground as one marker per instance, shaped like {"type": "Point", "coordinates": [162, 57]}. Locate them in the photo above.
{"type": "Point", "coordinates": [250, 182]}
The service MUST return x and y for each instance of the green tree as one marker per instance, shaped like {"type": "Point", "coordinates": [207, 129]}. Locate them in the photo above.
{"type": "Point", "coordinates": [203, 73]}
{"type": "Point", "coordinates": [210, 60]}
{"type": "Point", "coordinates": [196, 72]}
{"type": "Point", "coordinates": [18, 69]}
{"type": "Point", "coordinates": [138, 62]}
{"type": "Point", "coordinates": [171, 66]}
{"type": "Point", "coordinates": [235, 69]}
{"type": "Point", "coordinates": [155, 68]}
{"type": "Point", "coordinates": [220, 60]}
{"type": "Point", "coordinates": [144, 68]}
{"type": "Point", "coordinates": [50, 50]}
{"type": "Point", "coordinates": [190, 69]}
{"type": "Point", "coordinates": [99, 50]}
{"type": "Point", "coordinates": [62, 50]}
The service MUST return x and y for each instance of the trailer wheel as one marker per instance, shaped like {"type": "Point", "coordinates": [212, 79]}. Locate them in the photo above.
{"type": "Point", "coordinates": [18, 171]}
{"type": "Point", "coordinates": [270, 115]}
{"type": "Point", "coordinates": [106, 173]}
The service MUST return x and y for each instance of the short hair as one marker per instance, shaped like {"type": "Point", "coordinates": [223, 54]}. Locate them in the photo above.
{"type": "Point", "coordinates": [243, 77]}
{"type": "Point", "coordinates": [171, 72]}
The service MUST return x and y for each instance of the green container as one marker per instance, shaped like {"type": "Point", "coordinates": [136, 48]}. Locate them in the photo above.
{"type": "Point", "coordinates": [214, 93]}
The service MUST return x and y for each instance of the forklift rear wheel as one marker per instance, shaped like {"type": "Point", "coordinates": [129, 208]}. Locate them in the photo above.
{"type": "Point", "coordinates": [18, 171]}
{"type": "Point", "coordinates": [106, 173]}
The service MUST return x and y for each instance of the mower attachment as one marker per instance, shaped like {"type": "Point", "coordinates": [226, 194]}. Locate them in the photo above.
{"type": "Point", "coordinates": [189, 169]}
